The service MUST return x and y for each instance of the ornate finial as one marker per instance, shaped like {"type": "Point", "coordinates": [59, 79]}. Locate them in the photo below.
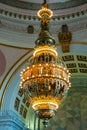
{"type": "Point", "coordinates": [45, 37]}
{"type": "Point", "coordinates": [45, 122]}
{"type": "Point", "coordinates": [45, 13]}
{"type": "Point", "coordinates": [45, 5]}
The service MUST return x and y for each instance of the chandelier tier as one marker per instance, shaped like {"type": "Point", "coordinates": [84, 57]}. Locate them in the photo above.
{"type": "Point", "coordinates": [45, 80]}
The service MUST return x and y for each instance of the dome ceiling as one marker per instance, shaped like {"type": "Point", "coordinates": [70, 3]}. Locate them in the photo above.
{"type": "Point", "coordinates": [48, 1]}
{"type": "Point", "coordinates": [35, 5]}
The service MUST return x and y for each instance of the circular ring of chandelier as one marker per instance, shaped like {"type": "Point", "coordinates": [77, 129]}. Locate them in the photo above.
{"type": "Point", "coordinates": [45, 81]}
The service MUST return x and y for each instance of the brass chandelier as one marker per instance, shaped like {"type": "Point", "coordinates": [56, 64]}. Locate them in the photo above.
{"type": "Point", "coordinates": [45, 81]}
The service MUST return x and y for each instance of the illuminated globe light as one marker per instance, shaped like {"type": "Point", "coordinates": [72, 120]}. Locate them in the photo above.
{"type": "Point", "coordinates": [45, 80]}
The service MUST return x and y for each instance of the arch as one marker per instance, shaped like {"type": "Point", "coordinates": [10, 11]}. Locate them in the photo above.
{"type": "Point", "coordinates": [11, 83]}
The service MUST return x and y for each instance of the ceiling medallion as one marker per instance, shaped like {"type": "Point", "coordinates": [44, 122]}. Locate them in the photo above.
{"type": "Point", "coordinates": [45, 81]}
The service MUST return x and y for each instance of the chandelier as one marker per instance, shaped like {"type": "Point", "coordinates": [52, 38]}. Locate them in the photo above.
{"type": "Point", "coordinates": [45, 81]}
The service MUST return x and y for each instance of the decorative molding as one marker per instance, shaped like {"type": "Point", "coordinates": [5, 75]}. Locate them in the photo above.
{"type": "Point", "coordinates": [10, 74]}
{"type": "Point", "coordinates": [32, 14]}
{"type": "Point", "coordinates": [35, 5]}
{"type": "Point", "coordinates": [16, 47]}
{"type": "Point", "coordinates": [2, 63]}
{"type": "Point", "coordinates": [20, 26]}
